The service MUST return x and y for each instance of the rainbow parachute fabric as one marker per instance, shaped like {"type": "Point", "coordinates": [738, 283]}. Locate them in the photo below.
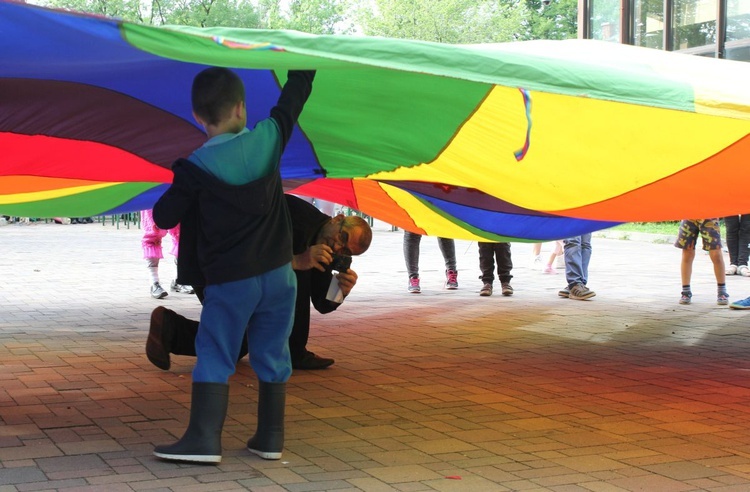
{"type": "Point", "coordinates": [523, 141]}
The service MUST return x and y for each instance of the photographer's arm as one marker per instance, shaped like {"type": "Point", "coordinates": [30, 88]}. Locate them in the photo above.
{"type": "Point", "coordinates": [316, 256]}
{"type": "Point", "coordinates": [347, 281]}
{"type": "Point", "coordinates": [319, 282]}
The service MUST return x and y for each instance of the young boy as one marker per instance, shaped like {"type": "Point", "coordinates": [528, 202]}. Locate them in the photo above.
{"type": "Point", "coordinates": [687, 240]}
{"type": "Point", "coordinates": [236, 239]}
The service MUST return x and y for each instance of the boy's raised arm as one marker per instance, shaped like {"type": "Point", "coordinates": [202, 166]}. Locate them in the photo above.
{"type": "Point", "coordinates": [291, 101]}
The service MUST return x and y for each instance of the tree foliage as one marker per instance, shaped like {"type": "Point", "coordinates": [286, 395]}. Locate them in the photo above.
{"type": "Point", "coordinates": [446, 21]}
{"type": "Point", "coordinates": [316, 16]}
{"type": "Point", "coordinates": [203, 13]}
{"type": "Point", "coordinates": [556, 20]}
{"type": "Point", "coordinates": [469, 21]}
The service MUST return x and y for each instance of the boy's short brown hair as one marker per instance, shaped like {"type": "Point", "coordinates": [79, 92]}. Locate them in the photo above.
{"type": "Point", "coordinates": [215, 91]}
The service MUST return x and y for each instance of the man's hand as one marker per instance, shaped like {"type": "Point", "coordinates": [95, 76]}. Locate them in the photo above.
{"type": "Point", "coordinates": [316, 256]}
{"type": "Point", "coordinates": [347, 281]}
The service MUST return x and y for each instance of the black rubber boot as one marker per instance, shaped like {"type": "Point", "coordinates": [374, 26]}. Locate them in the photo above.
{"type": "Point", "coordinates": [268, 441]}
{"type": "Point", "coordinates": [202, 440]}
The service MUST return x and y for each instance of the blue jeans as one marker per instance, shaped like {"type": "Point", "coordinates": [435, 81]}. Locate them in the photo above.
{"type": "Point", "coordinates": [577, 255]}
{"type": "Point", "coordinates": [411, 252]}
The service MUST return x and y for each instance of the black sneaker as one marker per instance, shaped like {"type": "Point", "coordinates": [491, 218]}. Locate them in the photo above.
{"type": "Point", "coordinates": [311, 362]}
{"type": "Point", "coordinates": [160, 335]}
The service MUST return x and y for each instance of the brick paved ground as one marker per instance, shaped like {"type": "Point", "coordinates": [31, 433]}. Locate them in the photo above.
{"type": "Point", "coordinates": [441, 391]}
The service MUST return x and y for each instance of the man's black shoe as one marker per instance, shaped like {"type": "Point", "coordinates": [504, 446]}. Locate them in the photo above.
{"type": "Point", "coordinates": [311, 362]}
{"type": "Point", "coordinates": [159, 337]}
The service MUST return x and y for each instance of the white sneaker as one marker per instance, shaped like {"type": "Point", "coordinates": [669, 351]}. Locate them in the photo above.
{"type": "Point", "coordinates": [157, 292]}
{"type": "Point", "coordinates": [537, 262]}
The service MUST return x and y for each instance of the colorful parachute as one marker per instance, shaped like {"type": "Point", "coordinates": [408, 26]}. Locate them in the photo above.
{"type": "Point", "coordinates": [533, 141]}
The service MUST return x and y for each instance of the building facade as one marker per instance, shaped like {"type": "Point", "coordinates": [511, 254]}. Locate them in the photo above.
{"type": "Point", "coordinates": [714, 28]}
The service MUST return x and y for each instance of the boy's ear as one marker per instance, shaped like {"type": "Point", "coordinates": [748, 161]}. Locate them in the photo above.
{"type": "Point", "coordinates": [199, 120]}
{"type": "Point", "coordinates": [239, 109]}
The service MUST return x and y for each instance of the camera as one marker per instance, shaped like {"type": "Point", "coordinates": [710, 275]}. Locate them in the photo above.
{"type": "Point", "coordinates": [340, 263]}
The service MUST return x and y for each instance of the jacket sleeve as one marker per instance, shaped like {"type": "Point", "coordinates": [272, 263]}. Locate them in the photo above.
{"type": "Point", "coordinates": [174, 203]}
{"type": "Point", "coordinates": [291, 101]}
{"type": "Point", "coordinates": [319, 282]}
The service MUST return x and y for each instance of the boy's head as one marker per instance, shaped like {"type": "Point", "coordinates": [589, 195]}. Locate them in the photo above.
{"type": "Point", "coordinates": [216, 94]}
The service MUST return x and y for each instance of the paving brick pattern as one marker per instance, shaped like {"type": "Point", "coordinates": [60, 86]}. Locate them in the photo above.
{"type": "Point", "coordinates": [442, 391]}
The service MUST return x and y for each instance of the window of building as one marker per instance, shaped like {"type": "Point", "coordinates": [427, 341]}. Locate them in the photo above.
{"type": "Point", "coordinates": [694, 23]}
{"type": "Point", "coordinates": [605, 20]}
{"type": "Point", "coordinates": [738, 20]}
{"type": "Point", "coordinates": [688, 26]}
{"type": "Point", "coordinates": [648, 20]}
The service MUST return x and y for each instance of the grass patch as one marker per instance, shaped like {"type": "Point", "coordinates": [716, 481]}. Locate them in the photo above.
{"type": "Point", "coordinates": [671, 228]}
{"type": "Point", "coordinates": [668, 228]}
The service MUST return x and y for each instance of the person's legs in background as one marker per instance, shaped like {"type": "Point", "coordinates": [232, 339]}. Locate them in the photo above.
{"type": "Point", "coordinates": [504, 266]}
{"type": "Point", "coordinates": [585, 257]}
{"type": "Point", "coordinates": [152, 252]}
{"type": "Point", "coordinates": [536, 255]}
{"type": "Point", "coordinates": [577, 252]}
{"type": "Point", "coordinates": [487, 267]}
{"type": "Point", "coordinates": [411, 257]}
{"type": "Point", "coordinates": [711, 235]}
{"type": "Point", "coordinates": [174, 233]}
{"type": "Point", "coordinates": [448, 249]}
{"type": "Point", "coordinates": [732, 225]}
{"type": "Point", "coordinates": [743, 245]}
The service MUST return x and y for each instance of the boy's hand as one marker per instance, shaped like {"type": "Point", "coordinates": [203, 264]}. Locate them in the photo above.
{"type": "Point", "coordinates": [316, 256]}
{"type": "Point", "coordinates": [347, 281]}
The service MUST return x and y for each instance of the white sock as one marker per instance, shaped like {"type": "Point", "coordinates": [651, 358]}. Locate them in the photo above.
{"type": "Point", "coordinates": [153, 269]}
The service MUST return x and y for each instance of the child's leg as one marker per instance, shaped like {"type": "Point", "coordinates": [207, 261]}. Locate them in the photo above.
{"type": "Point", "coordinates": [486, 262]}
{"type": "Point", "coordinates": [686, 266]}
{"type": "Point", "coordinates": [448, 249]}
{"type": "Point", "coordinates": [711, 235]}
{"type": "Point", "coordinates": [226, 311]}
{"type": "Point", "coordinates": [551, 259]}
{"type": "Point", "coordinates": [153, 269]}
{"type": "Point", "coordinates": [687, 239]}
{"type": "Point", "coordinates": [536, 250]}
{"type": "Point", "coordinates": [152, 236]}
{"type": "Point", "coordinates": [175, 248]}
{"type": "Point", "coordinates": [558, 248]}
{"type": "Point", "coordinates": [504, 262]}
{"type": "Point", "coordinates": [555, 253]}
{"type": "Point", "coordinates": [411, 253]}
{"type": "Point", "coordinates": [271, 324]}
{"type": "Point", "coordinates": [152, 251]}
{"type": "Point", "coordinates": [717, 257]}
